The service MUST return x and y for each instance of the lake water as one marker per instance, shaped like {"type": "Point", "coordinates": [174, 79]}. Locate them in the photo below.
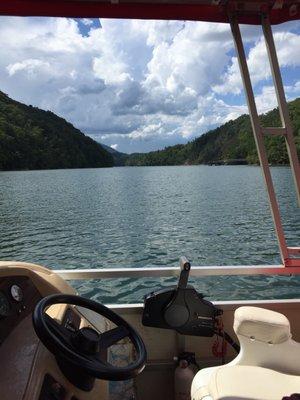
{"type": "Point", "coordinates": [149, 216]}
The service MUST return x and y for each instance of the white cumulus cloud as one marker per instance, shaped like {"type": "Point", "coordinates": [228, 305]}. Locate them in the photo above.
{"type": "Point", "coordinates": [138, 85]}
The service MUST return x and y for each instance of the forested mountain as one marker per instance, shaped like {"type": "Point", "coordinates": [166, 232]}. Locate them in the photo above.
{"type": "Point", "coordinates": [31, 138]}
{"type": "Point", "coordinates": [231, 143]}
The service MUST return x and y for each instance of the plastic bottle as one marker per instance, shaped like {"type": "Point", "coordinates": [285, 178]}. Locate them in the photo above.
{"type": "Point", "coordinates": [184, 375]}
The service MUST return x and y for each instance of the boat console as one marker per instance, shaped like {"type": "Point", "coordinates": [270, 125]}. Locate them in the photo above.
{"type": "Point", "coordinates": [53, 343]}
{"type": "Point", "coordinates": [56, 345]}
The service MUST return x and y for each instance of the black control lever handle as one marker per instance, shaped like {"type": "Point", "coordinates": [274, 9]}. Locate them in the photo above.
{"type": "Point", "coordinates": [185, 267]}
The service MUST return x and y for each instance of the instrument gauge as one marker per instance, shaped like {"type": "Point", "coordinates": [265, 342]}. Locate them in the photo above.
{"type": "Point", "coordinates": [4, 305]}
{"type": "Point", "coordinates": [16, 293]}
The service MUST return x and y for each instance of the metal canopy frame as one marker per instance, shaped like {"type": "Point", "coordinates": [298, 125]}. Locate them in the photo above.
{"type": "Point", "coordinates": [288, 254]}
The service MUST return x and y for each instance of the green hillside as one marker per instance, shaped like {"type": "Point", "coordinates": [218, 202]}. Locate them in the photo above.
{"type": "Point", "coordinates": [31, 138]}
{"type": "Point", "coordinates": [231, 143]}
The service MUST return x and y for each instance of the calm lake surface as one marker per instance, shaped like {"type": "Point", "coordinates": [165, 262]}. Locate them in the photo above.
{"type": "Point", "coordinates": [150, 216]}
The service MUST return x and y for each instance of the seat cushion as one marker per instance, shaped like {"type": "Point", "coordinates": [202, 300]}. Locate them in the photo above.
{"type": "Point", "coordinates": [263, 325]}
{"type": "Point", "coordinates": [245, 383]}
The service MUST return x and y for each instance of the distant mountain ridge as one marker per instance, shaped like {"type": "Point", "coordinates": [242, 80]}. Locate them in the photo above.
{"type": "Point", "coordinates": [119, 157]}
{"type": "Point", "coordinates": [31, 138]}
{"type": "Point", "coordinates": [231, 143]}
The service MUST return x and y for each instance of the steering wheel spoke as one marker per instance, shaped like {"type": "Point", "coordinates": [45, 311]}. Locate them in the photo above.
{"type": "Point", "coordinates": [113, 336]}
{"type": "Point", "coordinates": [59, 330]}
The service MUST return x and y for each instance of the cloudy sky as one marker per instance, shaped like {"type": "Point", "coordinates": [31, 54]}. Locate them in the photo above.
{"type": "Point", "coordinates": [139, 85]}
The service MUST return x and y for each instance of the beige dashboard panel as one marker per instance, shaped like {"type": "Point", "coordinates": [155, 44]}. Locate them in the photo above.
{"type": "Point", "coordinates": [45, 280]}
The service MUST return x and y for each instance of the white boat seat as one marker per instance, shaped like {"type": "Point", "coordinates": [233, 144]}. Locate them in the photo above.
{"type": "Point", "coordinates": [243, 382]}
{"type": "Point", "coordinates": [267, 367]}
{"type": "Point", "coordinates": [262, 325]}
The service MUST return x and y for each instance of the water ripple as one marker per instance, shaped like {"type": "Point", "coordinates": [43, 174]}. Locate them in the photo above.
{"type": "Point", "coordinates": [142, 217]}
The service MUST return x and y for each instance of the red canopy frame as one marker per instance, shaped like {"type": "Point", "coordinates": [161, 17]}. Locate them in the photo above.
{"type": "Point", "coordinates": [247, 11]}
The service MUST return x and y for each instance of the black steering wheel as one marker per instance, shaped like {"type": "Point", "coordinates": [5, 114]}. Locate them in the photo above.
{"type": "Point", "coordinates": [78, 351]}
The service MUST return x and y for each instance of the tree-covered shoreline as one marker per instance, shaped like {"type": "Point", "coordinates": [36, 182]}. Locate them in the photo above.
{"type": "Point", "coordinates": [33, 139]}
{"type": "Point", "coordinates": [227, 144]}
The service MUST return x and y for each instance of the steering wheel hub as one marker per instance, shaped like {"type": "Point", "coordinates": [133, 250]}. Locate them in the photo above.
{"type": "Point", "coordinates": [87, 340]}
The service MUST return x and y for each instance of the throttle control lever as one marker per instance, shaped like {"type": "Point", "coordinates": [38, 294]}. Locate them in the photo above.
{"type": "Point", "coordinates": [181, 308]}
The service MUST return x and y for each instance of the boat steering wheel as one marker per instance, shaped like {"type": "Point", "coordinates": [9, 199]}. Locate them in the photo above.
{"type": "Point", "coordinates": [78, 351]}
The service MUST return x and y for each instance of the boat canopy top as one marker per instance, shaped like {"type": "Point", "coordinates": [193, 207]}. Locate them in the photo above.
{"type": "Point", "coordinates": [247, 11]}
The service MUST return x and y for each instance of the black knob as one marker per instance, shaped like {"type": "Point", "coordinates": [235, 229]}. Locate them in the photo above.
{"type": "Point", "coordinates": [86, 340]}
{"type": "Point", "coordinates": [176, 315]}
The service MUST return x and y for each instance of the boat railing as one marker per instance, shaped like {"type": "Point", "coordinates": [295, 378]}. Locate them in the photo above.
{"type": "Point", "coordinates": [160, 272]}
{"type": "Point", "coordinates": [197, 271]}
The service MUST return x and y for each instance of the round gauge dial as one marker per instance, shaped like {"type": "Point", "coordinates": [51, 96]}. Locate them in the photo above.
{"type": "Point", "coordinates": [4, 305]}
{"type": "Point", "coordinates": [16, 293]}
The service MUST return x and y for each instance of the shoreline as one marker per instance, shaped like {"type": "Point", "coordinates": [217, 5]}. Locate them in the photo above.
{"type": "Point", "coordinates": [148, 166]}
